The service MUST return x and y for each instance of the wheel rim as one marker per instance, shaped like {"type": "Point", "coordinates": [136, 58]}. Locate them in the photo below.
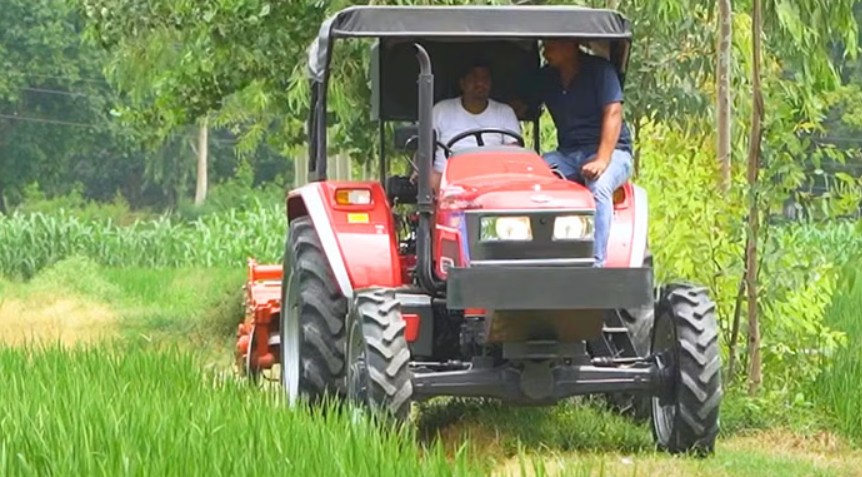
{"type": "Point", "coordinates": [357, 387]}
{"type": "Point", "coordinates": [664, 346]}
{"type": "Point", "coordinates": [290, 342]}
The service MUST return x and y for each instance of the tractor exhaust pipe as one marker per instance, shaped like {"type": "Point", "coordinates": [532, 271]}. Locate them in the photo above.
{"type": "Point", "coordinates": [425, 153]}
{"type": "Point", "coordinates": [426, 130]}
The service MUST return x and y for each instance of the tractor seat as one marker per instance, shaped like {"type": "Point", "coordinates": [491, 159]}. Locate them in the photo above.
{"type": "Point", "coordinates": [400, 190]}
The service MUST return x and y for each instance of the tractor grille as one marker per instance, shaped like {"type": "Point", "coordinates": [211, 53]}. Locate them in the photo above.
{"type": "Point", "coordinates": [541, 247]}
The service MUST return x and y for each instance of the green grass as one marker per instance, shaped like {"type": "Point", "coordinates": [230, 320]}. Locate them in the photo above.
{"type": "Point", "coordinates": [196, 307]}
{"type": "Point", "coordinates": [125, 410]}
{"type": "Point", "coordinates": [840, 386]}
{"type": "Point", "coordinates": [582, 438]}
{"type": "Point", "coordinates": [156, 403]}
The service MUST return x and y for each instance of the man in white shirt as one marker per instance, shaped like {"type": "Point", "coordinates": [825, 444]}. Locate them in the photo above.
{"type": "Point", "coordinates": [474, 109]}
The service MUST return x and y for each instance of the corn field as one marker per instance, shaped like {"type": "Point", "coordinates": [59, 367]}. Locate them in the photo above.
{"type": "Point", "coordinates": [30, 242]}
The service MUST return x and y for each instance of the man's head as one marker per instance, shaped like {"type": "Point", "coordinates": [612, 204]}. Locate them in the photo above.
{"type": "Point", "coordinates": [560, 51]}
{"type": "Point", "coordinates": [475, 81]}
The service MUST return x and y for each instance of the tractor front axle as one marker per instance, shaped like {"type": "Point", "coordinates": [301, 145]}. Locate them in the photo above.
{"type": "Point", "coordinates": [538, 382]}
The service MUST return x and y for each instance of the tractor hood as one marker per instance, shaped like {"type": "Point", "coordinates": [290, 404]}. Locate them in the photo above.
{"type": "Point", "coordinates": [512, 179]}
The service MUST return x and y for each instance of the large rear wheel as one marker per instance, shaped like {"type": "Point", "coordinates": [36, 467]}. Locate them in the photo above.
{"type": "Point", "coordinates": [685, 415]}
{"type": "Point", "coordinates": [379, 376]}
{"type": "Point", "coordinates": [313, 319]}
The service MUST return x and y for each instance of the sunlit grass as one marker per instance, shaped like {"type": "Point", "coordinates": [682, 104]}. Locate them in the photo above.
{"type": "Point", "coordinates": [121, 410]}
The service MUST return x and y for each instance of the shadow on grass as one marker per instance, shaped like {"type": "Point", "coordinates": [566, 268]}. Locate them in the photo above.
{"type": "Point", "coordinates": [581, 424]}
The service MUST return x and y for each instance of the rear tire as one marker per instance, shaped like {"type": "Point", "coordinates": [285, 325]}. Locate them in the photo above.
{"type": "Point", "coordinates": [685, 418]}
{"type": "Point", "coordinates": [313, 319]}
{"type": "Point", "coordinates": [379, 375]}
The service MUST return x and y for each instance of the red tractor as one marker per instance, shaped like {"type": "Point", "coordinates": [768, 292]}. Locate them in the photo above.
{"type": "Point", "coordinates": [486, 289]}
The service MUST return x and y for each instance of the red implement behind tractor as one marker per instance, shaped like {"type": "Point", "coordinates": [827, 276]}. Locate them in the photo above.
{"type": "Point", "coordinates": [393, 293]}
{"type": "Point", "coordinates": [262, 310]}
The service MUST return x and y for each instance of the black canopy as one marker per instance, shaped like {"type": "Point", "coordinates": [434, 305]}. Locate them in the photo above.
{"type": "Point", "coordinates": [467, 21]}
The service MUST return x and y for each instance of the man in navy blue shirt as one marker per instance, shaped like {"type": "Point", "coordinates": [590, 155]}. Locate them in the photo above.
{"type": "Point", "coordinates": [584, 97]}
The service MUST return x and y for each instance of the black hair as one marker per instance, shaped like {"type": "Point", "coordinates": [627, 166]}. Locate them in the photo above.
{"type": "Point", "coordinates": [474, 63]}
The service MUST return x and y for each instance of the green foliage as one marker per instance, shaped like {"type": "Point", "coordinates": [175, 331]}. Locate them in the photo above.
{"type": "Point", "coordinates": [237, 193]}
{"type": "Point", "coordinates": [696, 235]}
{"type": "Point", "coordinates": [695, 232]}
{"type": "Point", "coordinates": [53, 106]}
{"type": "Point", "coordinates": [840, 381]}
{"type": "Point", "coordinates": [33, 241]}
{"type": "Point", "coordinates": [74, 203]}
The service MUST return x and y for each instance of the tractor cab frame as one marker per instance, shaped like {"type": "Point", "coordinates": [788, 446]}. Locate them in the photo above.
{"type": "Point", "coordinates": [427, 43]}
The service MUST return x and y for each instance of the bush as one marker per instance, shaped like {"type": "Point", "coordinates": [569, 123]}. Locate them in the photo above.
{"type": "Point", "coordinates": [842, 375]}
{"type": "Point", "coordinates": [74, 204]}
{"type": "Point", "coordinates": [697, 234]}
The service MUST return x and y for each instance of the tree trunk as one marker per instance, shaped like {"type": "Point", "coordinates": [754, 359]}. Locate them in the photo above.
{"type": "Point", "coordinates": [754, 372]}
{"type": "Point", "coordinates": [613, 4]}
{"type": "Point", "coordinates": [202, 151]}
{"type": "Point", "coordinates": [3, 209]}
{"type": "Point", "coordinates": [737, 318]}
{"type": "Point", "coordinates": [725, 21]}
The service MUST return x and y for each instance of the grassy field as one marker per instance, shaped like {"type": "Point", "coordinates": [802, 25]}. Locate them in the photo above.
{"type": "Point", "coordinates": [119, 410]}
{"type": "Point", "coordinates": [840, 386]}
{"type": "Point", "coordinates": [121, 371]}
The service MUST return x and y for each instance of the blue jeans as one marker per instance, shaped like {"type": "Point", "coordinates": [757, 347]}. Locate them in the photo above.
{"type": "Point", "coordinates": [619, 170]}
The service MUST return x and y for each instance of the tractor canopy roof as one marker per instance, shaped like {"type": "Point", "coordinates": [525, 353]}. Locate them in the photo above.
{"type": "Point", "coordinates": [469, 22]}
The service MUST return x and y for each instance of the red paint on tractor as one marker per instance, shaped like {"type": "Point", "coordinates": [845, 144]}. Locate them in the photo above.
{"type": "Point", "coordinates": [521, 180]}
{"type": "Point", "coordinates": [622, 228]}
{"type": "Point", "coordinates": [518, 179]}
{"type": "Point", "coordinates": [364, 234]}
{"type": "Point", "coordinates": [412, 330]}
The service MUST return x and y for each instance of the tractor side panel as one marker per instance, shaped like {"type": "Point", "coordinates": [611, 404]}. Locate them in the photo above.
{"type": "Point", "coordinates": [627, 243]}
{"type": "Point", "coordinates": [359, 239]}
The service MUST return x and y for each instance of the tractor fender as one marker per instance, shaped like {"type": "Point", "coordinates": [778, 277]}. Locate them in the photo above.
{"type": "Point", "coordinates": [640, 234]}
{"type": "Point", "coordinates": [627, 244]}
{"type": "Point", "coordinates": [358, 239]}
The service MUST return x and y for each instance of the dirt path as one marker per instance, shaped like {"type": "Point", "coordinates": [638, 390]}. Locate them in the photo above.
{"type": "Point", "coordinates": [772, 452]}
{"type": "Point", "coordinates": [45, 320]}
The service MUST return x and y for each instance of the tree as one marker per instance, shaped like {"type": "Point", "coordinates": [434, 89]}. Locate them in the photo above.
{"type": "Point", "coordinates": [754, 372]}
{"type": "Point", "coordinates": [53, 102]}
{"type": "Point", "coordinates": [725, 36]}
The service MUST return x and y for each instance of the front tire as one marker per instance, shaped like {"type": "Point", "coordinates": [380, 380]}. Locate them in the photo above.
{"type": "Point", "coordinates": [379, 375]}
{"type": "Point", "coordinates": [685, 417]}
{"type": "Point", "coordinates": [313, 319]}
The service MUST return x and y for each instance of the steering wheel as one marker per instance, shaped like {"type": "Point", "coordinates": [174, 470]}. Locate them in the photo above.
{"type": "Point", "coordinates": [478, 134]}
{"type": "Point", "coordinates": [447, 151]}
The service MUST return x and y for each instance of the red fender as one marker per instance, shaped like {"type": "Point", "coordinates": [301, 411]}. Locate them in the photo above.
{"type": "Point", "coordinates": [359, 239]}
{"type": "Point", "coordinates": [628, 239]}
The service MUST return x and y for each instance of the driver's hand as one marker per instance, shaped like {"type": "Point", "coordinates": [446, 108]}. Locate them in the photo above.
{"type": "Point", "coordinates": [594, 169]}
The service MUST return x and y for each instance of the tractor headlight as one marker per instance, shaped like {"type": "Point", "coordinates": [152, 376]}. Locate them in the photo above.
{"type": "Point", "coordinates": [573, 227]}
{"type": "Point", "coordinates": [505, 228]}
